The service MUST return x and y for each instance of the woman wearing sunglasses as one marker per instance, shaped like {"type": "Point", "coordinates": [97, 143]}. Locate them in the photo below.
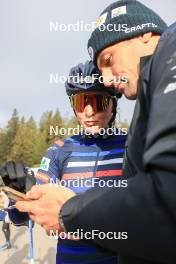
{"type": "Point", "coordinates": [92, 159]}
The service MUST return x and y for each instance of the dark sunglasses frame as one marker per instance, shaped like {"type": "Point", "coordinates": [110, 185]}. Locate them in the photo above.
{"type": "Point", "coordinates": [99, 102]}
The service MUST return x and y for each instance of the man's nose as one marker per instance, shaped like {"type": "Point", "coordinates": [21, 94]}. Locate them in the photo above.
{"type": "Point", "coordinates": [107, 78]}
{"type": "Point", "coordinates": [89, 111]}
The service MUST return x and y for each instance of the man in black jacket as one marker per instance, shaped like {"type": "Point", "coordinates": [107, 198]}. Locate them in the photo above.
{"type": "Point", "coordinates": [146, 209]}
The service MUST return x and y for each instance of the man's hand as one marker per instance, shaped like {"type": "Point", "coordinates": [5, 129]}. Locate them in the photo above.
{"type": "Point", "coordinates": [47, 201]}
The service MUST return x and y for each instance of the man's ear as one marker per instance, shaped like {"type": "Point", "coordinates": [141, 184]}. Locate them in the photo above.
{"type": "Point", "coordinates": [145, 38]}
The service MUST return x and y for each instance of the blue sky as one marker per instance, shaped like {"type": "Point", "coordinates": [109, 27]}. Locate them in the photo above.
{"type": "Point", "coordinates": [29, 52]}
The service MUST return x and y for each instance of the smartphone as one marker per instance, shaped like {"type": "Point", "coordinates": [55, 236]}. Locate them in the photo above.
{"type": "Point", "coordinates": [13, 194]}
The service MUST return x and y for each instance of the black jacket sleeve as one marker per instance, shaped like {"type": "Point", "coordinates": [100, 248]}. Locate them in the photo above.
{"type": "Point", "coordinates": [146, 209]}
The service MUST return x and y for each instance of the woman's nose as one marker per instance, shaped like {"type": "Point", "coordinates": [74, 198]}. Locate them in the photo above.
{"type": "Point", "coordinates": [89, 111]}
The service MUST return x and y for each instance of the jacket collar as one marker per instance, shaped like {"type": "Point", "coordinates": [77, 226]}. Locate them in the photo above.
{"type": "Point", "coordinates": [145, 66]}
